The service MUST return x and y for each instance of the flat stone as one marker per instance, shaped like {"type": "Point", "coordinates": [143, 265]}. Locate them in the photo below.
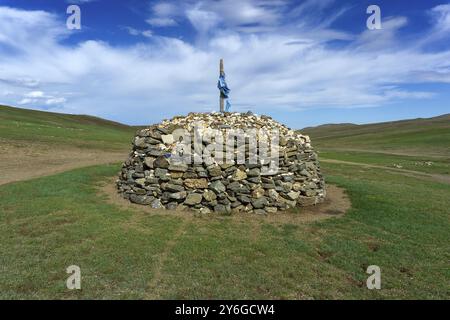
{"type": "Point", "coordinates": [176, 174]}
{"type": "Point", "coordinates": [154, 134]}
{"type": "Point", "coordinates": [205, 210]}
{"type": "Point", "coordinates": [271, 209]}
{"type": "Point", "coordinates": [234, 186]}
{"type": "Point", "coordinates": [179, 167]}
{"type": "Point", "coordinates": [140, 181]}
{"type": "Point", "coordinates": [178, 195]}
{"type": "Point", "coordinates": [141, 199]}
{"type": "Point", "coordinates": [160, 173]}
{"type": "Point", "coordinates": [140, 143]}
{"type": "Point", "coordinates": [148, 161]}
{"type": "Point", "coordinates": [161, 162]}
{"type": "Point", "coordinates": [259, 203]}
{"type": "Point", "coordinates": [306, 201]}
{"type": "Point", "coordinates": [272, 194]}
{"type": "Point", "coordinates": [217, 187]}
{"type": "Point", "coordinates": [255, 172]}
{"type": "Point", "coordinates": [244, 199]}
{"type": "Point", "coordinates": [239, 175]}
{"type": "Point", "coordinates": [167, 138]}
{"type": "Point", "coordinates": [201, 183]}
{"type": "Point", "coordinates": [156, 204]}
{"type": "Point", "coordinates": [254, 180]}
{"type": "Point", "coordinates": [222, 209]}
{"type": "Point", "coordinates": [258, 193]}
{"type": "Point", "coordinates": [297, 186]}
{"type": "Point", "coordinates": [214, 171]}
{"type": "Point", "coordinates": [155, 152]}
{"type": "Point", "coordinates": [209, 195]}
{"type": "Point", "coordinates": [193, 198]}
{"type": "Point", "coordinates": [150, 140]}
{"type": "Point", "coordinates": [173, 187]}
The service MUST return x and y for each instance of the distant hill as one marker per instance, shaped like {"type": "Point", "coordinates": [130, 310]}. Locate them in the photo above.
{"type": "Point", "coordinates": [22, 125]}
{"type": "Point", "coordinates": [415, 136]}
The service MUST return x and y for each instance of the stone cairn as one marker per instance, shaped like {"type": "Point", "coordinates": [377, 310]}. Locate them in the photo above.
{"type": "Point", "coordinates": [150, 176]}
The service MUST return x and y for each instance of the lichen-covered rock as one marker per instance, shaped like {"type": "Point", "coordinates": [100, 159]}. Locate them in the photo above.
{"type": "Point", "coordinates": [154, 174]}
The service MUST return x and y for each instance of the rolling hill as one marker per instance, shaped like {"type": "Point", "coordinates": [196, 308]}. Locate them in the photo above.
{"type": "Point", "coordinates": [22, 125]}
{"type": "Point", "coordinates": [429, 136]}
{"type": "Point", "coordinates": [36, 143]}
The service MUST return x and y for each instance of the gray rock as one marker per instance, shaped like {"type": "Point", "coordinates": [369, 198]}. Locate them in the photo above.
{"type": "Point", "coordinates": [196, 183]}
{"type": "Point", "coordinates": [140, 143]}
{"type": "Point", "coordinates": [217, 187]}
{"type": "Point", "coordinates": [172, 206]}
{"type": "Point", "coordinates": [141, 199]}
{"type": "Point", "coordinates": [244, 199]}
{"type": "Point", "coordinates": [178, 195]}
{"type": "Point", "coordinates": [140, 182]}
{"type": "Point", "coordinates": [156, 204]}
{"type": "Point", "coordinates": [293, 195]}
{"type": "Point", "coordinates": [214, 171]}
{"type": "Point", "coordinates": [306, 201]}
{"type": "Point", "coordinates": [161, 162]}
{"type": "Point", "coordinates": [259, 203]}
{"type": "Point", "coordinates": [154, 152]}
{"type": "Point", "coordinates": [271, 209]}
{"type": "Point", "coordinates": [255, 172]}
{"type": "Point", "coordinates": [173, 187]}
{"type": "Point", "coordinates": [148, 161]}
{"type": "Point", "coordinates": [209, 195]}
{"type": "Point", "coordinates": [193, 198]}
{"type": "Point", "coordinates": [160, 173]}
{"type": "Point", "coordinates": [239, 175]}
{"type": "Point", "coordinates": [222, 209]}
{"type": "Point", "coordinates": [180, 167]}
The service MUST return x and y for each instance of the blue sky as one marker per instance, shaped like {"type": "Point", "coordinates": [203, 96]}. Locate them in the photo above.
{"type": "Point", "coordinates": [303, 62]}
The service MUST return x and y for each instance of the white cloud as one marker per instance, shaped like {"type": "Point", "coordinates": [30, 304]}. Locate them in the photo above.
{"type": "Point", "coordinates": [136, 32]}
{"type": "Point", "coordinates": [202, 20]}
{"type": "Point", "coordinates": [39, 97]}
{"type": "Point", "coordinates": [282, 69]}
{"type": "Point", "coordinates": [55, 101]}
{"type": "Point", "coordinates": [161, 22]}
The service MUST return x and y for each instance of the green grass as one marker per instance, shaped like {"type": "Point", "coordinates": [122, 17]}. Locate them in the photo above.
{"type": "Point", "coordinates": [415, 163]}
{"type": "Point", "coordinates": [398, 223]}
{"type": "Point", "coordinates": [425, 137]}
{"type": "Point", "coordinates": [24, 126]}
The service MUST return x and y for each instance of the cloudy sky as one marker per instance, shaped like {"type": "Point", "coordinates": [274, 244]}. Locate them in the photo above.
{"type": "Point", "coordinates": [303, 62]}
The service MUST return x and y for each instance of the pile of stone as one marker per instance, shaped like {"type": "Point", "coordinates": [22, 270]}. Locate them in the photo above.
{"type": "Point", "coordinates": [151, 175]}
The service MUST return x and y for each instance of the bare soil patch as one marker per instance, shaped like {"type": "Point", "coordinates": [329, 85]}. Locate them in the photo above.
{"type": "Point", "coordinates": [23, 161]}
{"type": "Point", "coordinates": [336, 204]}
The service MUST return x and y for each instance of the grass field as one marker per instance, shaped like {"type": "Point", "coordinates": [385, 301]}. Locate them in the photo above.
{"type": "Point", "coordinates": [36, 143]}
{"type": "Point", "coordinates": [23, 125]}
{"type": "Point", "coordinates": [399, 222]}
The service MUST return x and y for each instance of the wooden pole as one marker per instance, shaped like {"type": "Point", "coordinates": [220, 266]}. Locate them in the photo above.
{"type": "Point", "coordinates": [221, 99]}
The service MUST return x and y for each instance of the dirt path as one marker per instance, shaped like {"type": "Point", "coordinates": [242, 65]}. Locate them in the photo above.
{"type": "Point", "coordinates": [23, 162]}
{"type": "Point", "coordinates": [443, 178]}
{"type": "Point", "coordinates": [408, 153]}
{"type": "Point", "coordinates": [336, 204]}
